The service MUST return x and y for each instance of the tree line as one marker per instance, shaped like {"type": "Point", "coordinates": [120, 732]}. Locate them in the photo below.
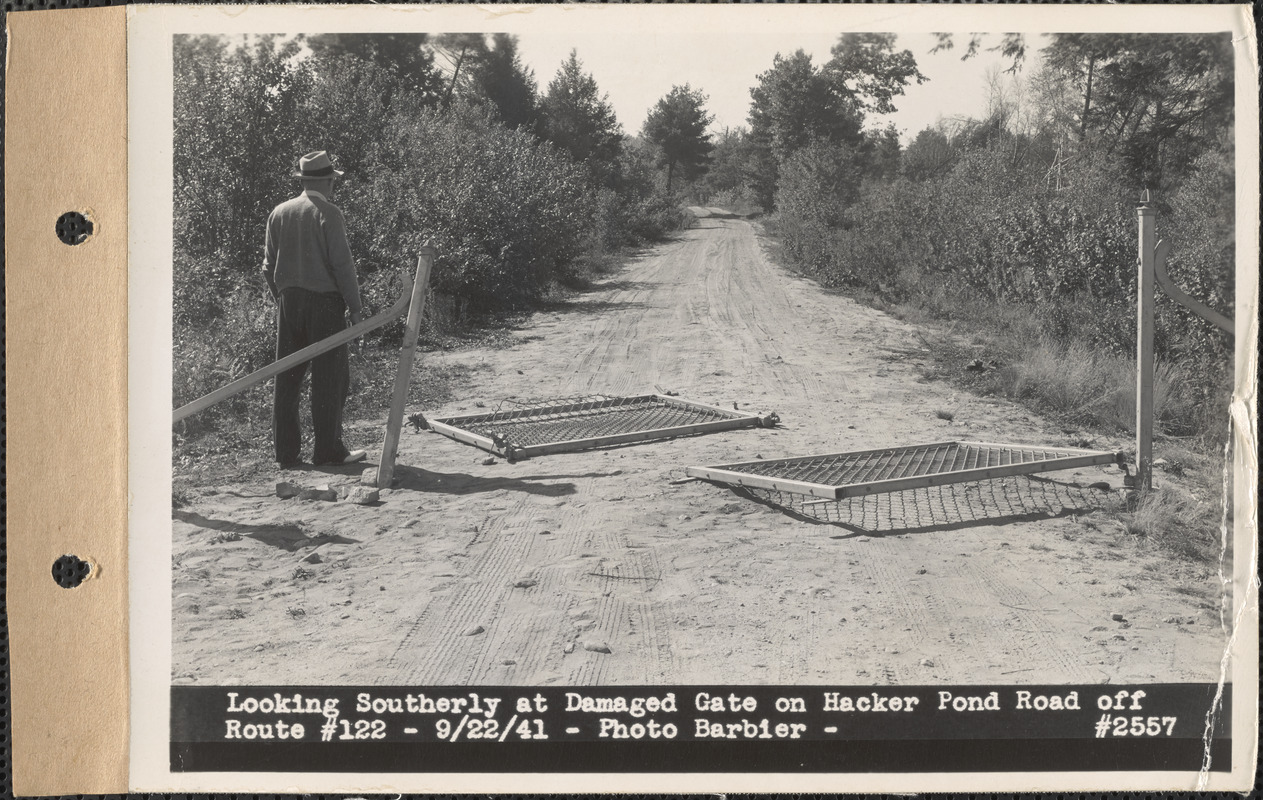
{"type": "Point", "coordinates": [446, 138]}
{"type": "Point", "coordinates": [450, 138]}
{"type": "Point", "coordinates": [1030, 207]}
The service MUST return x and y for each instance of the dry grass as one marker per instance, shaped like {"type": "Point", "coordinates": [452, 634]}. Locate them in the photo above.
{"type": "Point", "coordinates": [1093, 391]}
{"type": "Point", "coordinates": [1174, 521]}
{"type": "Point", "coordinates": [1087, 387]}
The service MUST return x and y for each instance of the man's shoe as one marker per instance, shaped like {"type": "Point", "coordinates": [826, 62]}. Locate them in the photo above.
{"type": "Point", "coordinates": [349, 458]}
{"type": "Point", "coordinates": [295, 464]}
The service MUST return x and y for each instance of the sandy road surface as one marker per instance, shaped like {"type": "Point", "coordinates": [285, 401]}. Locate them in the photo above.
{"type": "Point", "coordinates": [692, 582]}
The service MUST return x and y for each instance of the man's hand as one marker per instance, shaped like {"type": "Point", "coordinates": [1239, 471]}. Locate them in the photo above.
{"type": "Point", "coordinates": [356, 318]}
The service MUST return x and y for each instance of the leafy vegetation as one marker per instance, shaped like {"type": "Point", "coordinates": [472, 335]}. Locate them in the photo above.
{"type": "Point", "coordinates": [1014, 236]}
{"type": "Point", "coordinates": [677, 125]}
{"type": "Point", "coordinates": [443, 139]}
{"type": "Point", "coordinates": [1023, 223]}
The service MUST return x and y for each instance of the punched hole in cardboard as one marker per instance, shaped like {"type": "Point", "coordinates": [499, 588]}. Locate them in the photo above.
{"type": "Point", "coordinates": [70, 571]}
{"type": "Point", "coordinates": [73, 228]}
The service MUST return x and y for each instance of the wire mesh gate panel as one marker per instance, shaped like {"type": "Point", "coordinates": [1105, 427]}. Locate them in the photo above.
{"type": "Point", "coordinates": [524, 429]}
{"type": "Point", "coordinates": [895, 469]}
{"type": "Point", "coordinates": [995, 501]}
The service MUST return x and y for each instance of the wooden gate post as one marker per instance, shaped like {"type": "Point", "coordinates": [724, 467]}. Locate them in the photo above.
{"type": "Point", "coordinates": [1144, 346]}
{"type": "Point", "coordinates": [394, 422]}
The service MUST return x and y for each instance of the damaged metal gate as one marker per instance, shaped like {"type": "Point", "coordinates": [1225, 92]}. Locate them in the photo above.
{"type": "Point", "coordinates": [518, 430]}
{"type": "Point", "coordinates": [894, 469]}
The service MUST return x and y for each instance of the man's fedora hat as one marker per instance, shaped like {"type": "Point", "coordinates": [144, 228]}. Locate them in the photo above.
{"type": "Point", "coordinates": [317, 166]}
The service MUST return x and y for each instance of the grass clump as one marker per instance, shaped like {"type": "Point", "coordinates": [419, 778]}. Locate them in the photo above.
{"type": "Point", "coordinates": [1087, 387]}
{"type": "Point", "coordinates": [1175, 522]}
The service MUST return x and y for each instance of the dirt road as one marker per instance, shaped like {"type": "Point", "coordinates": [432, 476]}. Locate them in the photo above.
{"type": "Point", "coordinates": [1022, 581]}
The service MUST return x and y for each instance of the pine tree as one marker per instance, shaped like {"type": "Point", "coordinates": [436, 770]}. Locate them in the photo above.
{"type": "Point", "coordinates": [677, 125]}
{"type": "Point", "coordinates": [404, 55]}
{"type": "Point", "coordinates": [508, 85]}
{"type": "Point", "coordinates": [577, 118]}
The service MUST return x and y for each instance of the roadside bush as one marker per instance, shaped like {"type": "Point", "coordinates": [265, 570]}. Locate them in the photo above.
{"type": "Point", "coordinates": [508, 213]}
{"type": "Point", "coordinates": [816, 185]}
{"type": "Point", "coordinates": [654, 217]}
{"type": "Point", "coordinates": [884, 244]}
{"type": "Point", "coordinates": [740, 200]}
{"type": "Point", "coordinates": [989, 229]}
{"type": "Point", "coordinates": [512, 216]}
{"type": "Point", "coordinates": [635, 208]}
{"type": "Point", "coordinates": [206, 358]}
{"type": "Point", "coordinates": [1200, 227]}
{"type": "Point", "coordinates": [236, 124]}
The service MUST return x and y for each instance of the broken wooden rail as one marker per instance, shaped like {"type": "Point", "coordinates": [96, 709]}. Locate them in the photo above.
{"type": "Point", "coordinates": [1222, 321]}
{"type": "Point", "coordinates": [412, 299]}
{"type": "Point", "coordinates": [294, 359]}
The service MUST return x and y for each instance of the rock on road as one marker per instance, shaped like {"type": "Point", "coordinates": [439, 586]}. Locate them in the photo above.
{"type": "Point", "coordinates": [594, 568]}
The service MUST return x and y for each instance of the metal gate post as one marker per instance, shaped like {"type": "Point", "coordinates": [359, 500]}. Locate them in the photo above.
{"type": "Point", "coordinates": [1144, 346]}
{"type": "Point", "coordinates": [394, 422]}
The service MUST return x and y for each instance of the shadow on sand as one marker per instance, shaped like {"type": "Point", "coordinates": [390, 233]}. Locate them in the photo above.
{"type": "Point", "coordinates": [289, 537]}
{"type": "Point", "coordinates": [953, 507]}
{"type": "Point", "coordinates": [591, 306]}
{"type": "Point", "coordinates": [622, 285]}
{"type": "Point", "coordinates": [355, 469]}
{"type": "Point", "coordinates": [460, 483]}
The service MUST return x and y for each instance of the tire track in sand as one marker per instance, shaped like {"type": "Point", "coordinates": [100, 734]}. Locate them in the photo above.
{"type": "Point", "coordinates": [437, 640]}
{"type": "Point", "coordinates": [709, 316]}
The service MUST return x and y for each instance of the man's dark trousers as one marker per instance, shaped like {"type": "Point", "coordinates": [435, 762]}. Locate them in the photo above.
{"type": "Point", "coordinates": [304, 318]}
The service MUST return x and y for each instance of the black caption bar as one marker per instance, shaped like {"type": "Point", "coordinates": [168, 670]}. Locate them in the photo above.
{"type": "Point", "coordinates": [699, 728]}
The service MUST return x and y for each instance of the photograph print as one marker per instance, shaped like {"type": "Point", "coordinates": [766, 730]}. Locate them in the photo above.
{"type": "Point", "coordinates": [522, 358]}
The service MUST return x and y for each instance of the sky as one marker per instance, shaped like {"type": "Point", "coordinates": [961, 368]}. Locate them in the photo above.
{"type": "Point", "coordinates": [635, 71]}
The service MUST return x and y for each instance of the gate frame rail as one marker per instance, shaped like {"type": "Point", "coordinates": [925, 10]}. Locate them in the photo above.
{"type": "Point", "coordinates": [1071, 458]}
{"type": "Point", "coordinates": [454, 427]}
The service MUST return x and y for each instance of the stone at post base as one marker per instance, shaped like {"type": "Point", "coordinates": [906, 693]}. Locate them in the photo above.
{"type": "Point", "coordinates": [361, 495]}
{"type": "Point", "coordinates": [369, 478]}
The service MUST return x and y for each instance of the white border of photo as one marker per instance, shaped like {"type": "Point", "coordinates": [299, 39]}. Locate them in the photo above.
{"type": "Point", "coordinates": [150, 75]}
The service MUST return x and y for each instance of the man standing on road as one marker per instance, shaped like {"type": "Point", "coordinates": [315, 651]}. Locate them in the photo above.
{"type": "Point", "coordinates": [309, 269]}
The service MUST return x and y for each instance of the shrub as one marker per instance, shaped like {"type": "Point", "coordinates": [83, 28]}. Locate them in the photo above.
{"type": "Point", "coordinates": [635, 207]}
{"type": "Point", "coordinates": [739, 200]}
{"type": "Point", "coordinates": [988, 228]}
{"type": "Point", "coordinates": [816, 185]}
{"type": "Point", "coordinates": [507, 213]}
{"type": "Point", "coordinates": [511, 216]}
{"type": "Point", "coordinates": [653, 217]}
